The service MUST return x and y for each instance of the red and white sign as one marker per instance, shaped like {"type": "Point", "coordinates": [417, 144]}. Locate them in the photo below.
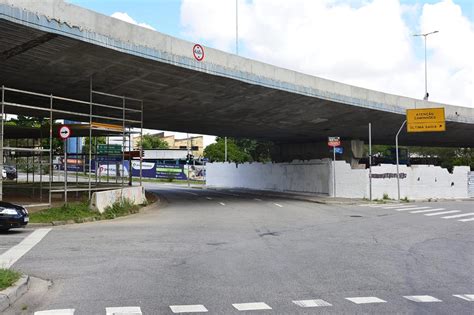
{"type": "Point", "coordinates": [334, 141]}
{"type": "Point", "coordinates": [64, 132]}
{"type": "Point", "coordinates": [198, 52]}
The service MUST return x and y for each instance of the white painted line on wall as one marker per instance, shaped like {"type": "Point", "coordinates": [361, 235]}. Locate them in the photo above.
{"type": "Point", "coordinates": [422, 298]}
{"type": "Point", "coordinates": [440, 213]}
{"type": "Point", "coordinates": [222, 204]}
{"type": "Point", "coordinates": [198, 308]}
{"type": "Point", "coordinates": [459, 215]}
{"type": "Point", "coordinates": [66, 311]}
{"type": "Point", "coordinates": [278, 205]}
{"type": "Point", "coordinates": [431, 210]}
{"type": "Point", "coordinates": [256, 306]}
{"type": "Point", "coordinates": [8, 258]}
{"type": "Point", "coordinates": [467, 297]}
{"type": "Point", "coordinates": [466, 220]}
{"type": "Point", "coordinates": [365, 300]}
{"type": "Point", "coordinates": [416, 208]}
{"type": "Point", "coordinates": [125, 310]}
{"type": "Point", "coordinates": [312, 303]}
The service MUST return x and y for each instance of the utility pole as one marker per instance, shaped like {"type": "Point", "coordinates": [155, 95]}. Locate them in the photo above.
{"type": "Point", "coordinates": [237, 27]}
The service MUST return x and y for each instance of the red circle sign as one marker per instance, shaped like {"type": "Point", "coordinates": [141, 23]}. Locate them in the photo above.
{"type": "Point", "coordinates": [198, 52]}
{"type": "Point", "coordinates": [64, 132]}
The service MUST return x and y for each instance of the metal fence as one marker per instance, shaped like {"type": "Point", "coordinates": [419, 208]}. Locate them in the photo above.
{"type": "Point", "coordinates": [35, 145]}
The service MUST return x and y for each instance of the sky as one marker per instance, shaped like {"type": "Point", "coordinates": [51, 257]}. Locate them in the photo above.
{"type": "Point", "coordinates": [367, 43]}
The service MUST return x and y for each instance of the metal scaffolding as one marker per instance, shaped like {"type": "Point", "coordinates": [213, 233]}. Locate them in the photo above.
{"type": "Point", "coordinates": [96, 118]}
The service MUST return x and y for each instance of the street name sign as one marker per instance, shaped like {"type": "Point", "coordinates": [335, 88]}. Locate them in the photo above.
{"type": "Point", "coordinates": [64, 132]}
{"type": "Point", "coordinates": [426, 120]}
{"type": "Point", "coordinates": [334, 141]}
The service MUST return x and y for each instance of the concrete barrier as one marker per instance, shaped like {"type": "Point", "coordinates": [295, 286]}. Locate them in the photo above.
{"type": "Point", "coordinates": [102, 199]}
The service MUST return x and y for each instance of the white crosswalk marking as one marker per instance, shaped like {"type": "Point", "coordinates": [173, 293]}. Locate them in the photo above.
{"type": "Point", "coordinates": [312, 303]}
{"type": "Point", "coordinates": [198, 308]}
{"type": "Point", "coordinates": [466, 220]}
{"type": "Point", "coordinates": [440, 213]}
{"type": "Point", "coordinates": [68, 311]}
{"type": "Point", "coordinates": [459, 215]}
{"type": "Point", "coordinates": [257, 306]}
{"type": "Point", "coordinates": [467, 297]}
{"type": "Point", "coordinates": [431, 210]}
{"type": "Point", "coordinates": [393, 207]}
{"type": "Point", "coordinates": [278, 205]}
{"type": "Point", "coordinates": [222, 204]}
{"type": "Point", "coordinates": [422, 298]}
{"type": "Point", "coordinates": [126, 310]}
{"type": "Point", "coordinates": [208, 198]}
{"type": "Point", "coordinates": [415, 208]}
{"type": "Point", "coordinates": [365, 300]}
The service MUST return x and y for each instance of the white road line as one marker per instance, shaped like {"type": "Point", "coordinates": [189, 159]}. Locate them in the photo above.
{"type": "Point", "coordinates": [365, 300]}
{"type": "Point", "coordinates": [392, 207]}
{"type": "Point", "coordinates": [467, 297]}
{"type": "Point", "coordinates": [278, 205]}
{"type": "Point", "coordinates": [422, 298]}
{"type": "Point", "coordinates": [440, 213]}
{"type": "Point", "coordinates": [126, 310]}
{"type": "Point", "coordinates": [257, 199]}
{"type": "Point", "coordinates": [257, 306]}
{"type": "Point", "coordinates": [312, 303]}
{"type": "Point", "coordinates": [459, 215]}
{"type": "Point", "coordinates": [69, 311]}
{"type": "Point", "coordinates": [191, 193]}
{"type": "Point", "coordinates": [384, 205]}
{"type": "Point", "coordinates": [466, 220]}
{"type": "Point", "coordinates": [416, 208]}
{"type": "Point", "coordinates": [222, 204]}
{"type": "Point", "coordinates": [8, 258]}
{"type": "Point", "coordinates": [208, 198]}
{"type": "Point", "coordinates": [198, 308]}
{"type": "Point", "coordinates": [431, 210]}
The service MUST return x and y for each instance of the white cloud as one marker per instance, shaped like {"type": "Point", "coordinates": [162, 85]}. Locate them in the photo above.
{"type": "Point", "coordinates": [127, 18]}
{"type": "Point", "coordinates": [364, 43]}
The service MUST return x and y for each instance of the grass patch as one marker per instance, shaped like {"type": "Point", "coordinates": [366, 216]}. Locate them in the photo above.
{"type": "Point", "coordinates": [72, 211]}
{"type": "Point", "coordinates": [120, 209]}
{"type": "Point", "coordinates": [79, 212]}
{"type": "Point", "coordinates": [8, 278]}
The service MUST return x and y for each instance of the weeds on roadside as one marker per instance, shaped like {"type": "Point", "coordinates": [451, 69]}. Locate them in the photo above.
{"type": "Point", "coordinates": [8, 278]}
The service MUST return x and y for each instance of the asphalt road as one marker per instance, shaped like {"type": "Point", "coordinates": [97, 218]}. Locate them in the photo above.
{"type": "Point", "coordinates": [219, 248]}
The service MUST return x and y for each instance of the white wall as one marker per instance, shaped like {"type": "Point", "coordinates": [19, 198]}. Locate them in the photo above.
{"type": "Point", "coordinates": [315, 176]}
{"type": "Point", "coordinates": [310, 176]}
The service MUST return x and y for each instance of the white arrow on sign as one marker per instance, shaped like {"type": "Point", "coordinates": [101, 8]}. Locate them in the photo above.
{"type": "Point", "coordinates": [64, 132]}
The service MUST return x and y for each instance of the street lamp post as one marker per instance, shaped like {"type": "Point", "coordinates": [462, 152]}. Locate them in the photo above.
{"type": "Point", "coordinates": [425, 35]}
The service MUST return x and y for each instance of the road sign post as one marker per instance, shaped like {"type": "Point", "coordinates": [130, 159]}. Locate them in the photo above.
{"type": "Point", "coordinates": [370, 161]}
{"type": "Point", "coordinates": [334, 142]}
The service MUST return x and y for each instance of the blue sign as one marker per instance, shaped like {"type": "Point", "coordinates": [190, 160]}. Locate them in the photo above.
{"type": "Point", "coordinates": [339, 150]}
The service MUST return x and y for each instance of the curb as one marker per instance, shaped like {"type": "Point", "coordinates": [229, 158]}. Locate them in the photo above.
{"type": "Point", "coordinates": [9, 296]}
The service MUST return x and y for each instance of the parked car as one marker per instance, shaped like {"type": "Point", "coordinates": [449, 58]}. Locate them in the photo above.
{"type": "Point", "coordinates": [12, 216]}
{"type": "Point", "coordinates": [9, 172]}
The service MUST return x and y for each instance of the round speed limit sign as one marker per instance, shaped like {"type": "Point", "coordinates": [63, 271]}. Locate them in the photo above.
{"type": "Point", "coordinates": [64, 132]}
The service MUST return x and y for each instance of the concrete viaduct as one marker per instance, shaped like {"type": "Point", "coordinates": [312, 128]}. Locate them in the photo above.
{"type": "Point", "coordinates": [54, 47]}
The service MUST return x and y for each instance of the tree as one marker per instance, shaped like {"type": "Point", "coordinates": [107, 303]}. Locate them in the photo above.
{"type": "Point", "coordinates": [258, 150]}
{"type": "Point", "coordinates": [215, 152]}
{"type": "Point", "coordinates": [153, 142]}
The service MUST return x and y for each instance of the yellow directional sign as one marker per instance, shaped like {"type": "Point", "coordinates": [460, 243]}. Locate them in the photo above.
{"type": "Point", "coordinates": [426, 120]}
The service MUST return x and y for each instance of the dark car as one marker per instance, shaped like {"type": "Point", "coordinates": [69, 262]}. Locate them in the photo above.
{"type": "Point", "coordinates": [12, 216]}
{"type": "Point", "coordinates": [10, 171]}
